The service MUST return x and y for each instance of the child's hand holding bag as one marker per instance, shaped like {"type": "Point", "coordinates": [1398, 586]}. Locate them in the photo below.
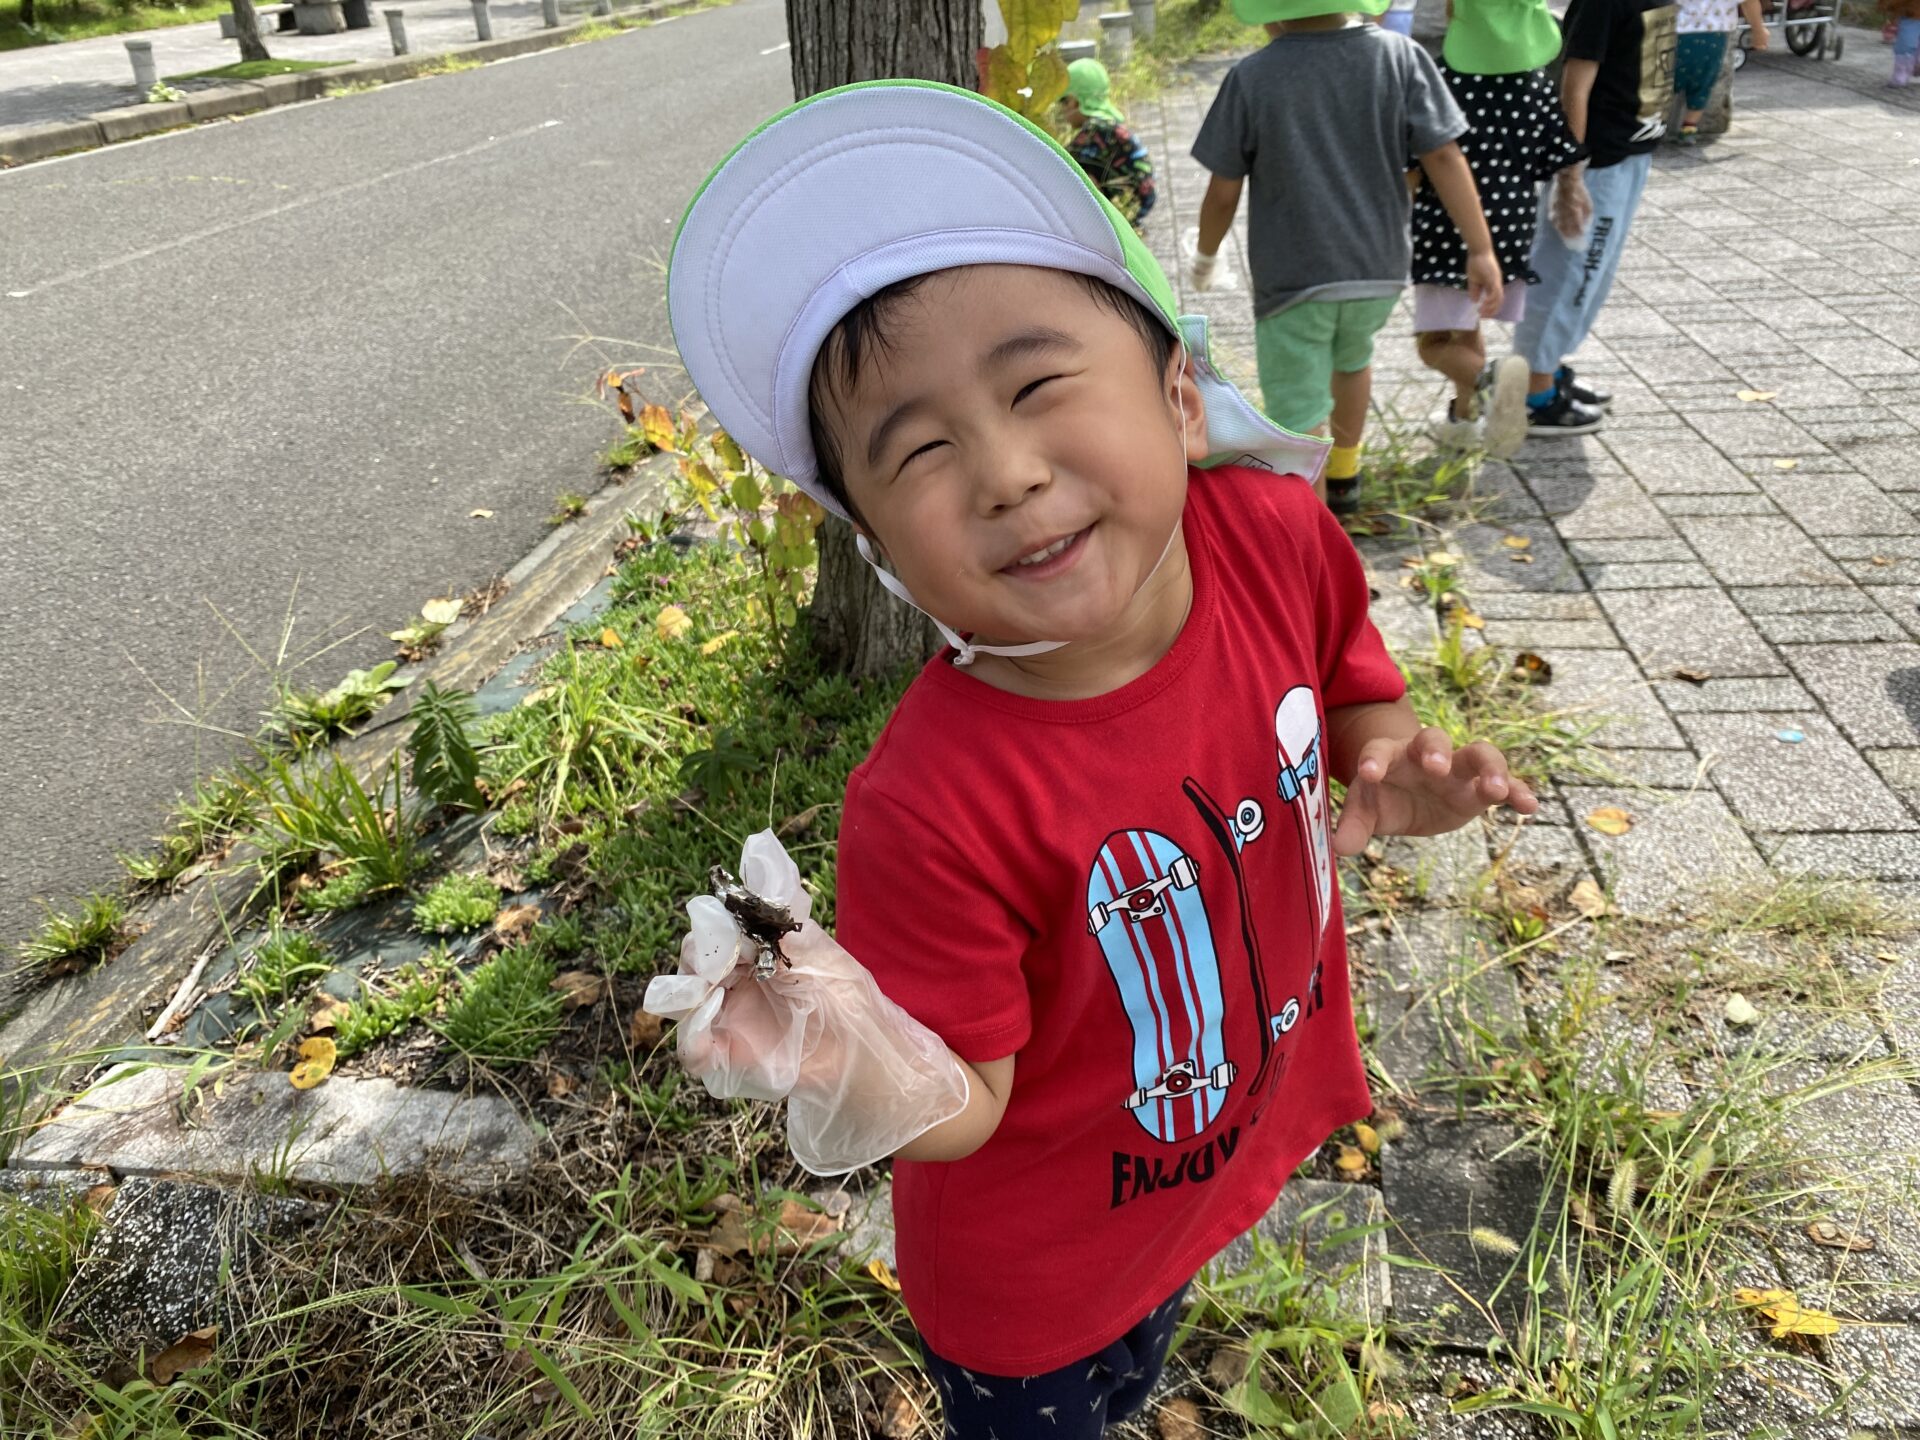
{"type": "Point", "coordinates": [862, 1078]}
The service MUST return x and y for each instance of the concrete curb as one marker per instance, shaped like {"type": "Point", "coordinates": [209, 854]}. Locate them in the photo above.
{"type": "Point", "coordinates": [57, 1031]}
{"type": "Point", "coordinates": [24, 144]}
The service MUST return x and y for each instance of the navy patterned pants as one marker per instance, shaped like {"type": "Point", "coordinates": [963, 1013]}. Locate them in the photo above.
{"type": "Point", "coordinates": [1075, 1402]}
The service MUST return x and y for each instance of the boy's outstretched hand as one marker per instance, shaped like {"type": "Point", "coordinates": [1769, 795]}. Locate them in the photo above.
{"type": "Point", "coordinates": [1421, 785]}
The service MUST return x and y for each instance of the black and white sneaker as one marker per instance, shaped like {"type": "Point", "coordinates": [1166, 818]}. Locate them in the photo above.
{"type": "Point", "coordinates": [1585, 394]}
{"type": "Point", "coordinates": [1563, 415]}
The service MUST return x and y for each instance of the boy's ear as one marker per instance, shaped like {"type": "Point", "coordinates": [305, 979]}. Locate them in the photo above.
{"type": "Point", "coordinates": [1183, 393]}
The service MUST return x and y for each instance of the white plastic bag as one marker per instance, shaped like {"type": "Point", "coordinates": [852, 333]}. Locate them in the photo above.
{"type": "Point", "coordinates": [1207, 272]}
{"type": "Point", "coordinates": [861, 1077]}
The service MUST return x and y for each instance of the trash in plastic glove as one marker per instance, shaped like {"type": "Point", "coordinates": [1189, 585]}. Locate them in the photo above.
{"type": "Point", "coordinates": [1572, 205]}
{"type": "Point", "coordinates": [769, 1007]}
{"type": "Point", "coordinates": [1206, 272]}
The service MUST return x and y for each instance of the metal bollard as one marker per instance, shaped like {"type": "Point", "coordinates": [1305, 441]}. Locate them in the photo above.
{"type": "Point", "coordinates": [145, 77]}
{"type": "Point", "coordinates": [482, 20]}
{"type": "Point", "coordinates": [603, 7]}
{"type": "Point", "coordinates": [1116, 36]}
{"type": "Point", "coordinates": [397, 29]}
{"type": "Point", "coordinates": [1072, 50]}
{"type": "Point", "coordinates": [1144, 17]}
{"type": "Point", "coordinates": [550, 13]}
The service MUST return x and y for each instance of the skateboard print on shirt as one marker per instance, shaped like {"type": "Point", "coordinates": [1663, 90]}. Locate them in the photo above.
{"type": "Point", "coordinates": [1144, 908]}
{"type": "Point", "coordinates": [1303, 786]}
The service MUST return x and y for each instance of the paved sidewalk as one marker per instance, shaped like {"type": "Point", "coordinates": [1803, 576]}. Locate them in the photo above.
{"type": "Point", "coordinates": [81, 77]}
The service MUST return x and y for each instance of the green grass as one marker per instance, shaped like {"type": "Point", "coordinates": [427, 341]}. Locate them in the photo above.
{"type": "Point", "coordinates": [82, 19]}
{"type": "Point", "coordinates": [283, 967]}
{"type": "Point", "coordinates": [506, 1010]}
{"type": "Point", "coordinates": [256, 69]}
{"type": "Point", "coordinates": [77, 939]}
{"type": "Point", "coordinates": [413, 994]}
{"type": "Point", "coordinates": [458, 902]}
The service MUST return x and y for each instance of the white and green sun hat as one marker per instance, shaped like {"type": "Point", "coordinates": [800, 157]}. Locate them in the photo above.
{"type": "Point", "coordinates": [860, 187]}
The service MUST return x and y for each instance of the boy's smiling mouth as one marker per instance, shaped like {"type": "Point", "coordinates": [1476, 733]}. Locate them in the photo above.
{"type": "Point", "coordinates": [1049, 558]}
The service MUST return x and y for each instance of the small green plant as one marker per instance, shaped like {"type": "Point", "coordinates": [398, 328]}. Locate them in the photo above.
{"type": "Point", "coordinates": [626, 452]}
{"type": "Point", "coordinates": [283, 966]}
{"type": "Point", "coordinates": [421, 635]}
{"type": "Point", "coordinates": [317, 811]}
{"type": "Point", "coordinates": [506, 1010]}
{"type": "Point", "coordinates": [459, 902]}
{"type": "Point", "coordinates": [446, 766]}
{"type": "Point", "coordinates": [220, 807]}
{"type": "Point", "coordinates": [345, 889]}
{"type": "Point", "coordinates": [416, 991]}
{"type": "Point", "coordinates": [567, 506]}
{"type": "Point", "coordinates": [449, 65]}
{"type": "Point", "coordinates": [161, 93]}
{"type": "Point", "coordinates": [70, 941]}
{"type": "Point", "coordinates": [515, 818]}
{"type": "Point", "coordinates": [305, 717]}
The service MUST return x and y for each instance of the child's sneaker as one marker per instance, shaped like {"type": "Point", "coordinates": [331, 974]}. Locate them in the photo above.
{"type": "Point", "coordinates": [1571, 384]}
{"type": "Point", "coordinates": [1458, 436]}
{"type": "Point", "coordinates": [1689, 135]}
{"type": "Point", "coordinates": [1903, 66]}
{"type": "Point", "coordinates": [1503, 406]}
{"type": "Point", "coordinates": [1563, 415]}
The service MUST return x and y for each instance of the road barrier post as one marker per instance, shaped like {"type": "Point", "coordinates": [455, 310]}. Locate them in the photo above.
{"type": "Point", "coordinates": [144, 75]}
{"type": "Point", "coordinates": [550, 13]}
{"type": "Point", "coordinates": [482, 20]}
{"type": "Point", "coordinates": [397, 29]}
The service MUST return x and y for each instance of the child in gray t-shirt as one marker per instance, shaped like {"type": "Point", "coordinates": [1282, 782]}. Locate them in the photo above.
{"type": "Point", "coordinates": [1325, 121]}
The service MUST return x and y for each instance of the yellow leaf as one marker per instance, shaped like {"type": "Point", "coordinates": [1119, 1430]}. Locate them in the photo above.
{"type": "Point", "coordinates": [1368, 1137]}
{"type": "Point", "coordinates": [1786, 464]}
{"type": "Point", "coordinates": [1466, 617]}
{"type": "Point", "coordinates": [672, 623]}
{"type": "Point", "coordinates": [1005, 77]}
{"type": "Point", "coordinates": [440, 612]}
{"type": "Point", "coordinates": [1588, 899]}
{"type": "Point", "coordinates": [1516, 542]}
{"type": "Point", "coordinates": [883, 1273]}
{"type": "Point", "coordinates": [1350, 1161]}
{"type": "Point", "coordinates": [1610, 820]}
{"type": "Point", "coordinates": [1443, 558]}
{"type": "Point", "coordinates": [1789, 1319]}
{"type": "Point", "coordinates": [1034, 23]}
{"type": "Point", "coordinates": [656, 425]}
{"type": "Point", "coordinates": [1755, 1298]}
{"type": "Point", "coordinates": [610, 638]}
{"type": "Point", "coordinates": [1755, 396]}
{"type": "Point", "coordinates": [1047, 78]}
{"type": "Point", "coordinates": [315, 1063]}
{"type": "Point", "coordinates": [480, 514]}
{"type": "Point", "coordinates": [707, 647]}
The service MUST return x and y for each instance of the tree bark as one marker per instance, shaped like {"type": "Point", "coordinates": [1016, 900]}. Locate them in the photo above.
{"type": "Point", "coordinates": [859, 629]}
{"type": "Point", "coordinates": [247, 23]}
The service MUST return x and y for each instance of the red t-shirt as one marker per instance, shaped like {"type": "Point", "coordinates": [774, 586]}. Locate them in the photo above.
{"type": "Point", "coordinates": [1135, 894]}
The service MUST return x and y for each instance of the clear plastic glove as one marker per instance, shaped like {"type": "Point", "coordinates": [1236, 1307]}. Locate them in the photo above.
{"type": "Point", "coordinates": [861, 1077]}
{"type": "Point", "coordinates": [1572, 206]}
{"type": "Point", "coordinates": [1205, 272]}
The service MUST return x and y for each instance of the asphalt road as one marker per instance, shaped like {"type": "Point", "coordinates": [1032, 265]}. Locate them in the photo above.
{"type": "Point", "coordinates": [269, 368]}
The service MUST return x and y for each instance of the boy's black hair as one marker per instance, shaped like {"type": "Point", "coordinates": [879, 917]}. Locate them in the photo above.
{"type": "Point", "coordinates": [863, 331]}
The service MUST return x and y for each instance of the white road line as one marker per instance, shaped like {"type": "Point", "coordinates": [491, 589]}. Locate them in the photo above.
{"type": "Point", "coordinates": [90, 271]}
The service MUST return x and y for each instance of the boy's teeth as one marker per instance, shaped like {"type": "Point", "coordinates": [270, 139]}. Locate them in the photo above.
{"type": "Point", "coordinates": [1046, 554]}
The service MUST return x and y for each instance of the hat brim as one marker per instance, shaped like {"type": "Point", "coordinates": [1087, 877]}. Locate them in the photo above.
{"type": "Point", "coordinates": [845, 194]}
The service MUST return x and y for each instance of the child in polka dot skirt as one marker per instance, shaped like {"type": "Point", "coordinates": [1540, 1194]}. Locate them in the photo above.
{"type": "Point", "coordinates": [1493, 62]}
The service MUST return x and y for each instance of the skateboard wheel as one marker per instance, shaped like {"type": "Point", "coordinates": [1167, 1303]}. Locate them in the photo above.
{"type": "Point", "coordinates": [1222, 1075]}
{"type": "Point", "coordinates": [1185, 873]}
{"type": "Point", "coordinates": [1097, 919]}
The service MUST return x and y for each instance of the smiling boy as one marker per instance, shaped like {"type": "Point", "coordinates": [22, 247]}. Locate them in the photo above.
{"type": "Point", "coordinates": [1091, 850]}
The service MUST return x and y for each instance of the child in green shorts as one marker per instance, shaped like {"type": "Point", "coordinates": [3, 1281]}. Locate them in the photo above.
{"type": "Point", "coordinates": [1324, 122]}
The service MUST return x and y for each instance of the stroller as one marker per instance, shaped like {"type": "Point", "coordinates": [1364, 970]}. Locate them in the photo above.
{"type": "Point", "coordinates": [1812, 28]}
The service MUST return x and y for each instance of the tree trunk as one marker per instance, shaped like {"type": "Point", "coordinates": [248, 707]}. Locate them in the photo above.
{"type": "Point", "coordinates": [252, 47]}
{"type": "Point", "coordinates": [858, 628]}
{"type": "Point", "coordinates": [26, 13]}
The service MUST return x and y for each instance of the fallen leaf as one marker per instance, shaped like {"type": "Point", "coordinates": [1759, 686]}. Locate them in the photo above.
{"type": "Point", "coordinates": [1880, 560]}
{"type": "Point", "coordinates": [480, 514]}
{"type": "Point", "coordinates": [610, 639]}
{"type": "Point", "coordinates": [794, 823]}
{"type": "Point", "coordinates": [1754, 397]}
{"type": "Point", "coordinates": [99, 1198]}
{"type": "Point", "coordinates": [1520, 559]}
{"type": "Point", "coordinates": [1228, 1366]}
{"type": "Point", "coordinates": [1589, 899]}
{"type": "Point", "coordinates": [580, 988]}
{"type": "Point", "coordinates": [1825, 1232]}
{"type": "Point", "coordinates": [1465, 617]}
{"type": "Point", "coordinates": [1790, 1318]}
{"type": "Point", "coordinates": [1610, 820]}
{"type": "Point", "coordinates": [315, 1063]}
{"type": "Point", "coordinates": [1887, 957]}
{"type": "Point", "coordinates": [514, 922]}
{"type": "Point", "coordinates": [560, 1085]}
{"type": "Point", "coordinates": [1442, 558]}
{"type": "Point", "coordinates": [645, 1029]}
{"type": "Point", "coordinates": [1516, 542]}
{"type": "Point", "coordinates": [327, 1015]}
{"type": "Point", "coordinates": [1692, 677]}
{"type": "Point", "coordinates": [1752, 1299]}
{"type": "Point", "coordinates": [507, 877]}
{"type": "Point", "coordinates": [900, 1415]}
{"type": "Point", "coordinates": [1740, 1010]}
{"type": "Point", "coordinates": [189, 1352]}
{"type": "Point", "coordinates": [1179, 1420]}
{"type": "Point", "coordinates": [1367, 1137]}
{"type": "Point", "coordinates": [801, 1227]}
{"type": "Point", "coordinates": [882, 1274]}
{"type": "Point", "coordinates": [442, 611]}
{"type": "Point", "coordinates": [729, 1235]}
{"type": "Point", "coordinates": [672, 623]}
{"type": "Point", "coordinates": [1786, 464]}
{"type": "Point", "coordinates": [707, 647]}
{"type": "Point", "coordinates": [1350, 1162]}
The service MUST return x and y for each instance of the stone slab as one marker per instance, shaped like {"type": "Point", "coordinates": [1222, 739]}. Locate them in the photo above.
{"type": "Point", "coordinates": [1607, 685]}
{"type": "Point", "coordinates": [1430, 984]}
{"type": "Point", "coordinates": [1849, 630]}
{"type": "Point", "coordinates": [1860, 855]}
{"type": "Point", "coordinates": [26, 143]}
{"type": "Point", "coordinates": [1817, 783]}
{"type": "Point", "coordinates": [1872, 691]}
{"type": "Point", "coordinates": [1682, 842]}
{"type": "Point", "coordinates": [1756, 550]}
{"type": "Point", "coordinates": [291, 89]}
{"type": "Point", "coordinates": [1662, 769]}
{"type": "Point", "coordinates": [1689, 629]}
{"type": "Point", "coordinates": [1754, 504]}
{"type": "Point", "coordinates": [344, 1132]}
{"type": "Point", "coordinates": [1839, 505]}
{"type": "Point", "coordinates": [1441, 1181]}
{"type": "Point", "coordinates": [224, 100]}
{"type": "Point", "coordinates": [1801, 599]}
{"type": "Point", "coordinates": [130, 122]}
{"type": "Point", "coordinates": [1689, 697]}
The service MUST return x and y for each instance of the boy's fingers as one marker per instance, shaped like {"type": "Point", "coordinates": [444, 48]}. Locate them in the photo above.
{"type": "Point", "coordinates": [1431, 750]}
{"type": "Point", "coordinates": [1358, 817]}
{"type": "Point", "coordinates": [1376, 759]}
